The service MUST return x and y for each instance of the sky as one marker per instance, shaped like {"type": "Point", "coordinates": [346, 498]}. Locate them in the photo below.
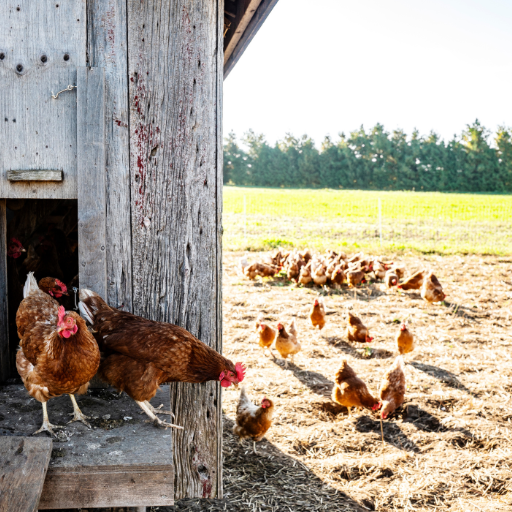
{"type": "Point", "coordinates": [321, 67]}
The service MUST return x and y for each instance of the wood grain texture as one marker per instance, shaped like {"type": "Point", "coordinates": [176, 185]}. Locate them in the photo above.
{"type": "Point", "coordinates": [38, 132]}
{"type": "Point", "coordinates": [91, 180]}
{"type": "Point", "coordinates": [173, 68]}
{"type": "Point", "coordinates": [107, 48]}
{"type": "Point", "coordinates": [245, 12]}
{"type": "Point", "coordinates": [23, 464]}
{"type": "Point", "coordinates": [108, 486]}
{"type": "Point", "coordinates": [4, 324]}
{"type": "Point", "coordinates": [36, 175]}
{"type": "Point", "coordinates": [251, 30]}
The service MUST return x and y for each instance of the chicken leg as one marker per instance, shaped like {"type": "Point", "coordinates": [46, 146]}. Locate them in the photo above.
{"type": "Point", "coordinates": [46, 423]}
{"type": "Point", "coordinates": [156, 421]}
{"type": "Point", "coordinates": [156, 410]}
{"type": "Point", "coordinates": [78, 415]}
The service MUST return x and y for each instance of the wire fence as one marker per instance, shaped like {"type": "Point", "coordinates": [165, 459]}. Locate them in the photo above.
{"type": "Point", "coordinates": [251, 222]}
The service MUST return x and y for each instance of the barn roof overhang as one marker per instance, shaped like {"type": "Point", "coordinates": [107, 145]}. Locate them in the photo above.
{"type": "Point", "coordinates": [242, 20]}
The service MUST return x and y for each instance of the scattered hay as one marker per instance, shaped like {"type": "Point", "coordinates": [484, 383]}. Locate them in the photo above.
{"type": "Point", "coordinates": [448, 448]}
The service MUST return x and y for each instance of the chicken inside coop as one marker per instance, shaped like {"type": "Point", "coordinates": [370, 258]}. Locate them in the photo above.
{"type": "Point", "coordinates": [42, 237]}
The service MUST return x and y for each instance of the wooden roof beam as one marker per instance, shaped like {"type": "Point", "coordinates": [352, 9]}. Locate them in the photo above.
{"type": "Point", "coordinates": [244, 13]}
{"type": "Point", "coordinates": [239, 36]}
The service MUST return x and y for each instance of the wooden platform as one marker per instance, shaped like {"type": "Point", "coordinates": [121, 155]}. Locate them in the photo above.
{"type": "Point", "coordinates": [123, 461]}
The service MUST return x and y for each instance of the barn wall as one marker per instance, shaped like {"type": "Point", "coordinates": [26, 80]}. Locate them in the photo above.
{"type": "Point", "coordinates": [174, 72]}
{"type": "Point", "coordinates": [163, 66]}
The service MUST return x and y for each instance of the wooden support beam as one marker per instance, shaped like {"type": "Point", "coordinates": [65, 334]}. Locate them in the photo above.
{"type": "Point", "coordinates": [91, 180]}
{"type": "Point", "coordinates": [256, 21]}
{"type": "Point", "coordinates": [4, 324]}
{"type": "Point", "coordinates": [174, 75]}
{"type": "Point", "coordinates": [23, 465]}
{"type": "Point", "coordinates": [107, 32]}
{"type": "Point", "coordinates": [35, 175]}
{"type": "Point", "coordinates": [245, 12]}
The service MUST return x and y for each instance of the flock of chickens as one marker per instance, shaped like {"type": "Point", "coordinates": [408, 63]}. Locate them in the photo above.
{"type": "Point", "coordinates": [60, 351]}
{"type": "Point", "coordinates": [335, 269]}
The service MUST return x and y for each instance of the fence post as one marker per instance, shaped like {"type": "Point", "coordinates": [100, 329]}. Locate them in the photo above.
{"type": "Point", "coordinates": [380, 220]}
{"type": "Point", "coordinates": [245, 224]}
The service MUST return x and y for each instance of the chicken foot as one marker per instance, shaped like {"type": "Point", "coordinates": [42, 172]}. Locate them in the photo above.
{"type": "Point", "coordinates": [78, 415]}
{"type": "Point", "coordinates": [156, 421]}
{"type": "Point", "coordinates": [156, 410]}
{"type": "Point", "coordinates": [46, 426]}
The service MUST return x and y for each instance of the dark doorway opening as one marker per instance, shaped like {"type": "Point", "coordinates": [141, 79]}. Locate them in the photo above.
{"type": "Point", "coordinates": [47, 230]}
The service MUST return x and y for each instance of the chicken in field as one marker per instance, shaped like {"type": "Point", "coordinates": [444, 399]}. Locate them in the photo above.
{"type": "Point", "coordinates": [306, 255]}
{"type": "Point", "coordinates": [318, 274]}
{"type": "Point", "coordinates": [355, 277]}
{"type": "Point", "coordinates": [317, 314]}
{"type": "Point", "coordinates": [392, 390]}
{"type": "Point", "coordinates": [431, 289]}
{"type": "Point", "coordinates": [305, 275]}
{"type": "Point", "coordinates": [380, 269]}
{"type": "Point", "coordinates": [286, 342]}
{"type": "Point", "coordinates": [404, 340]}
{"type": "Point", "coordinates": [58, 355]}
{"type": "Point", "coordinates": [253, 421]}
{"type": "Point", "coordinates": [350, 391]}
{"type": "Point", "coordinates": [266, 335]}
{"type": "Point", "coordinates": [413, 282]}
{"type": "Point", "coordinates": [356, 330]}
{"type": "Point", "coordinates": [390, 279]}
{"type": "Point", "coordinates": [142, 354]}
{"type": "Point", "coordinates": [338, 276]}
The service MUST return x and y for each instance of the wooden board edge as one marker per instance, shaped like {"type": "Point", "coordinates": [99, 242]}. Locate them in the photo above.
{"type": "Point", "coordinates": [259, 17]}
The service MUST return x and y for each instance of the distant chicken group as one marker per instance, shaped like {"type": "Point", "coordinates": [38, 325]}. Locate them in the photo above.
{"type": "Point", "coordinates": [337, 269]}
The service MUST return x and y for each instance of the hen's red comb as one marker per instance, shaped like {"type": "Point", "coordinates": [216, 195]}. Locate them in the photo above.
{"type": "Point", "coordinates": [240, 371]}
{"type": "Point", "coordinates": [62, 314]}
{"type": "Point", "coordinates": [62, 286]}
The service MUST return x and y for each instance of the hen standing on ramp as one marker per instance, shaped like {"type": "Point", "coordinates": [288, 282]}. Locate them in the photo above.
{"type": "Point", "coordinates": [57, 353]}
{"type": "Point", "coordinates": [142, 354]}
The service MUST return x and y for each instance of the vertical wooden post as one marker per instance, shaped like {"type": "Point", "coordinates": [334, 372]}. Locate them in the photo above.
{"type": "Point", "coordinates": [91, 179]}
{"type": "Point", "coordinates": [107, 48]}
{"type": "Point", "coordinates": [4, 324]}
{"type": "Point", "coordinates": [175, 70]}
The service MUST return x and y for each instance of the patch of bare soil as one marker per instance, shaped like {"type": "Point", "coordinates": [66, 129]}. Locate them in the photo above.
{"type": "Point", "coordinates": [448, 448]}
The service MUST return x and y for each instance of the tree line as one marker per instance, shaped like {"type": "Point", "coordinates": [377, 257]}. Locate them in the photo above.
{"type": "Point", "coordinates": [375, 160]}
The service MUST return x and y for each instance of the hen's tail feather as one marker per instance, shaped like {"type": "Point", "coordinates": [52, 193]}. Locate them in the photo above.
{"type": "Point", "coordinates": [90, 303]}
{"type": "Point", "coordinates": [243, 394]}
{"type": "Point", "coordinates": [30, 285]}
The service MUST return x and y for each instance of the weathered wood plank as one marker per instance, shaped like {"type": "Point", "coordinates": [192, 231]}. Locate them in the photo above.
{"type": "Point", "coordinates": [174, 134]}
{"type": "Point", "coordinates": [4, 324]}
{"type": "Point", "coordinates": [107, 486]}
{"type": "Point", "coordinates": [91, 180]}
{"type": "Point", "coordinates": [250, 31]}
{"type": "Point", "coordinates": [42, 175]}
{"type": "Point", "coordinates": [245, 12]}
{"type": "Point", "coordinates": [107, 48]}
{"type": "Point", "coordinates": [23, 464]}
{"type": "Point", "coordinates": [42, 43]}
{"type": "Point", "coordinates": [218, 228]}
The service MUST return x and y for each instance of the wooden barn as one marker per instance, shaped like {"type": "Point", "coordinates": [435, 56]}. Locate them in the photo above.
{"type": "Point", "coordinates": [111, 177]}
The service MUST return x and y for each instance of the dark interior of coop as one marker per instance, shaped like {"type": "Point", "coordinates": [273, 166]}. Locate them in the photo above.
{"type": "Point", "coordinates": [48, 232]}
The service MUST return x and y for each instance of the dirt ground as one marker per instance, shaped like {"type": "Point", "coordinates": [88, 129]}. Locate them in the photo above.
{"type": "Point", "coordinates": [448, 448]}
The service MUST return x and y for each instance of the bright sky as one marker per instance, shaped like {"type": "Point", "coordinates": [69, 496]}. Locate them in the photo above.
{"type": "Point", "coordinates": [325, 66]}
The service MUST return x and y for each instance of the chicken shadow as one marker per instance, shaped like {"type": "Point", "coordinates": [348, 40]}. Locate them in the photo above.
{"type": "Point", "coordinates": [315, 381]}
{"type": "Point", "coordinates": [442, 375]}
{"type": "Point", "coordinates": [356, 352]}
{"type": "Point", "coordinates": [392, 433]}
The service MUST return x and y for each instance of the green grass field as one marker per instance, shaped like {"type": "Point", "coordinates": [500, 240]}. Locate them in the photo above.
{"type": "Point", "coordinates": [423, 221]}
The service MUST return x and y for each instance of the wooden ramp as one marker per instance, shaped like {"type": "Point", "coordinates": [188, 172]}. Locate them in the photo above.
{"type": "Point", "coordinates": [23, 465]}
{"type": "Point", "coordinates": [123, 461]}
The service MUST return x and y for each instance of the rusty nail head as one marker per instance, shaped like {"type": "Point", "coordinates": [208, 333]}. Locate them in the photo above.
{"type": "Point", "coordinates": [66, 57]}
{"type": "Point", "coordinates": [2, 56]}
{"type": "Point", "coordinates": [44, 59]}
{"type": "Point", "coordinates": [19, 68]}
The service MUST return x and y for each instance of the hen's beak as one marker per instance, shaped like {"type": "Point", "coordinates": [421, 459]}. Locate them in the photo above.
{"type": "Point", "coordinates": [235, 384]}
